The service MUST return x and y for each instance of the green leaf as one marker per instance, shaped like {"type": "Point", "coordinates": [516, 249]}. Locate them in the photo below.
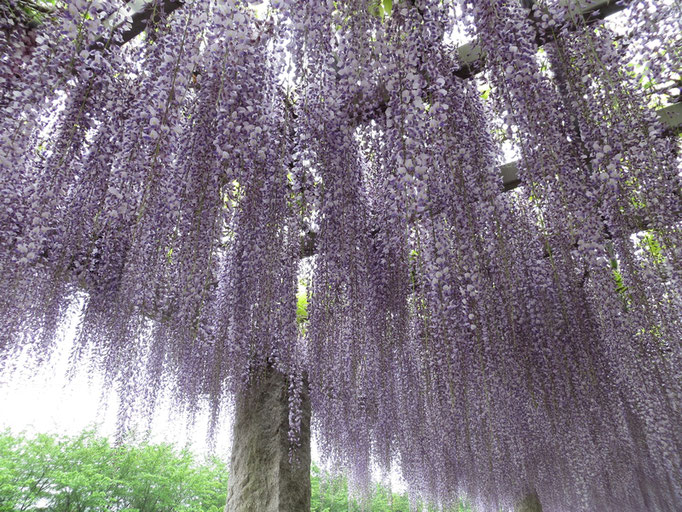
{"type": "Point", "coordinates": [301, 303]}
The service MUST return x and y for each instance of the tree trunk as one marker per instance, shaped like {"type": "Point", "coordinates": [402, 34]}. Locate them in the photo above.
{"type": "Point", "coordinates": [261, 477]}
{"type": "Point", "coordinates": [530, 503]}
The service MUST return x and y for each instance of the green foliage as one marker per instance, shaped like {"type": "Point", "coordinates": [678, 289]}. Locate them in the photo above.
{"type": "Point", "coordinates": [653, 248]}
{"type": "Point", "coordinates": [86, 473]}
{"type": "Point", "coordinates": [380, 8]}
{"type": "Point", "coordinates": [302, 303]}
{"type": "Point", "coordinates": [330, 494]}
{"type": "Point", "coordinates": [34, 11]}
{"type": "Point", "coordinates": [619, 282]}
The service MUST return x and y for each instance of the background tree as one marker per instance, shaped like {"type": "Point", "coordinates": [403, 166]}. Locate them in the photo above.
{"type": "Point", "coordinates": [86, 473]}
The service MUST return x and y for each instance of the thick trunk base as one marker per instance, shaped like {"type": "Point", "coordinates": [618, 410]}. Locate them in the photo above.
{"type": "Point", "coordinates": [530, 503]}
{"type": "Point", "coordinates": [261, 478]}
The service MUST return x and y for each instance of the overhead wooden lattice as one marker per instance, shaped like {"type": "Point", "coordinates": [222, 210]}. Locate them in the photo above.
{"type": "Point", "coordinates": [470, 56]}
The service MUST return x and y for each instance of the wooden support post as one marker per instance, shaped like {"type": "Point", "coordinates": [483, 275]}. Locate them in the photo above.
{"type": "Point", "coordinates": [261, 477]}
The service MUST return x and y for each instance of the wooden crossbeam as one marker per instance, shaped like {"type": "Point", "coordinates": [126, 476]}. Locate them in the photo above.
{"type": "Point", "coordinates": [150, 14]}
{"type": "Point", "coordinates": [670, 116]}
{"type": "Point", "coordinates": [471, 55]}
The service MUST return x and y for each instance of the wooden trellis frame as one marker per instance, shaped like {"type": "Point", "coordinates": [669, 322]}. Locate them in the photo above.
{"type": "Point", "coordinates": [470, 56]}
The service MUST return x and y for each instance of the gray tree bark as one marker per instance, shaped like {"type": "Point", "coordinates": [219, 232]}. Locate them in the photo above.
{"type": "Point", "coordinates": [261, 477]}
{"type": "Point", "coordinates": [530, 503]}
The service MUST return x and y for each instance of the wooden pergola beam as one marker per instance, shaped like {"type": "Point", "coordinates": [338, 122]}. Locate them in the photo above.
{"type": "Point", "coordinates": [150, 14]}
{"type": "Point", "coordinates": [670, 116]}
{"type": "Point", "coordinates": [471, 55]}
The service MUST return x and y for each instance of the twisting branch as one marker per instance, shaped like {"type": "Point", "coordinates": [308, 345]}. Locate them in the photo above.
{"type": "Point", "coordinates": [150, 14]}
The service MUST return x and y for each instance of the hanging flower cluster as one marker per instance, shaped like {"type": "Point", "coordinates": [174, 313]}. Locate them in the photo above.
{"type": "Point", "coordinates": [492, 344]}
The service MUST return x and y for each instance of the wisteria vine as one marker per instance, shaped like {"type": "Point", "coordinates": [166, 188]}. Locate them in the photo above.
{"type": "Point", "coordinates": [490, 344]}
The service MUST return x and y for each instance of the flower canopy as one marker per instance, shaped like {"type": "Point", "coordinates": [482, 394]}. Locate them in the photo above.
{"type": "Point", "coordinates": [195, 187]}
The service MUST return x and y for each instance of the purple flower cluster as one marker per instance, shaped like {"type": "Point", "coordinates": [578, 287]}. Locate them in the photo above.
{"type": "Point", "coordinates": [490, 344]}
